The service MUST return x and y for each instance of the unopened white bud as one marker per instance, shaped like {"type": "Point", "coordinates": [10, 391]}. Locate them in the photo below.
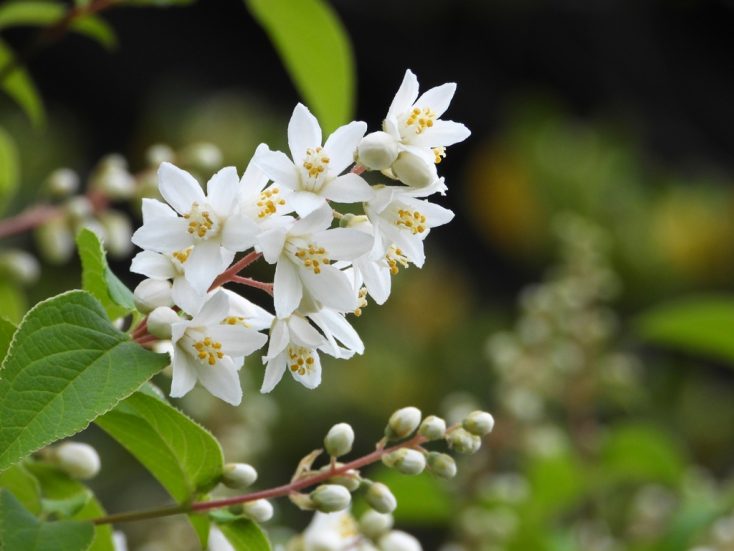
{"type": "Point", "coordinates": [463, 441]}
{"type": "Point", "coordinates": [76, 459]}
{"type": "Point", "coordinates": [78, 208]}
{"type": "Point", "coordinates": [403, 423]}
{"type": "Point", "coordinates": [63, 182]}
{"type": "Point", "coordinates": [480, 423]}
{"type": "Point", "coordinates": [377, 151]}
{"type": "Point", "coordinates": [373, 524]}
{"type": "Point", "coordinates": [118, 231]}
{"type": "Point", "coordinates": [350, 220]}
{"type": "Point", "coordinates": [152, 293]}
{"type": "Point", "coordinates": [160, 321]}
{"type": "Point", "coordinates": [432, 428]}
{"type": "Point", "coordinates": [159, 153]}
{"type": "Point", "coordinates": [406, 461]}
{"type": "Point", "coordinates": [329, 498]}
{"type": "Point", "coordinates": [442, 465]}
{"type": "Point", "coordinates": [55, 241]}
{"type": "Point", "coordinates": [399, 541]}
{"type": "Point", "coordinates": [414, 171]}
{"type": "Point", "coordinates": [259, 510]}
{"type": "Point", "coordinates": [19, 266]}
{"type": "Point", "coordinates": [204, 156]}
{"type": "Point", "coordinates": [235, 475]}
{"type": "Point", "coordinates": [380, 498]}
{"type": "Point", "coordinates": [93, 225]}
{"type": "Point", "coordinates": [339, 440]}
{"type": "Point", "coordinates": [350, 479]}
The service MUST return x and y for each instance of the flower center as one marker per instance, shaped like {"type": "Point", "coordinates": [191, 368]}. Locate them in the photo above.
{"type": "Point", "coordinates": [301, 359]}
{"type": "Point", "coordinates": [394, 258]}
{"type": "Point", "coordinates": [179, 257]}
{"type": "Point", "coordinates": [236, 320]}
{"type": "Point", "coordinates": [316, 161]}
{"type": "Point", "coordinates": [361, 301]}
{"type": "Point", "coordinates": [420, 119]}
{"type": "Point", "coordinates": [313, 257]}
{"type": "Point", "coordinates": [208, 351]}
{"type": "Point", "coordinates": [202, 223]}
{"type": "Point", "coordinates": [412, 220]}
{"type": "Point", "coordinates": [269, 202]}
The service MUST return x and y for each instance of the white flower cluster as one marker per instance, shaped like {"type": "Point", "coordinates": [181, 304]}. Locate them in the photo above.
{"type": "Point", "coordinates": [284, 208]}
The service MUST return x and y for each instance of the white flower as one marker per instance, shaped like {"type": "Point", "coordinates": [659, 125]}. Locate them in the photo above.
{"type": "Point", "coordinates": [304, 252]}
{"type": "Point", "coordinates": [218, 541]}
{"type": "Point", "coordinates": [294, 345]}
{"type": "Point", "coordinates": [209, 349]}
{"type": "Point", "coordinates": [401, 224]}
{"type": "Point", "coordinates": [372, 271]}
{"type": "Point", "coordinates": [337, 330]}
{"type": "Point", "coordinates": [313, 174]}
{"type": "Point", "coordinates": [332, 532]}
{"type": "Point", "coordinates": [211, 225]}
{"type": "Point", "coordinates": [262, 205]}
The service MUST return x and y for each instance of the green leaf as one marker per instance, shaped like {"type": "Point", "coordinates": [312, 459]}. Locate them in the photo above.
{"type": "Point", "coordinates": [245, 535]}
{"type": "Point", "coordinates": [183, 456]}
{"type": "Point", "coordinates": [67, 365]}
{"type": "Point", "coordinates": [24, 486]}
{"type": "Point", "coordinates": [19, 529]}
{"type": "Point", "coordinates": [700, 325]}
{"type": "Point", "coordinates": [40, 13]}
{"type": "Point", "coordinates": [9, 169]}
{"type": "Point", "coordinates": [557, 483]}
{"type": "Point", "coordinates": [316, 51]}
{"type": "Point", "coordinates": [19, 86]}
{"type": "Point", "coordinates": [7, 330]}
{"type": "Point", "coordinates": [12, 301]}
{"type": "Point", "coordinates": [98, 279]}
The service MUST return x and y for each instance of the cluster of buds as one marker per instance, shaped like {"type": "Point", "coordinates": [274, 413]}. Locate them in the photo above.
{"type": "Point", "coordinates": [283, 208]}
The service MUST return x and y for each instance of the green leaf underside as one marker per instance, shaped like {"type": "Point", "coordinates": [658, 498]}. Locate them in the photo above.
{"type": "Point", "coordinates": [9, 169]}
{"type": "Point", "coordinates": [316, 52]}
{"type": "Point", "coordinates": [19, 529]}
{"type": "Point", "coordinates": [24, 486]}
{"type": "Point", "coordinates": [98, 279]}
{"type": "Point", "coordinates": [19, 86]}
{"type": "Point", "coordinates": [42, 14]}
{"type": "Point", "coordinates": [701, 325]}
{"type": "Point", "coordinates": [183, 456]}
{"type": "Point", "coordinates": [66, 365]}
{"type": "Point", "coordinates": [245, 535]}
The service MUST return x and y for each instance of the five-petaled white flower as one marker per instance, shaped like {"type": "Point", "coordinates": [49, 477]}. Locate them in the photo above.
{"type": "Point", "coordinates": [211, 349]}
{"type": "Point", "coordinates": [210, 224]}
{"type": "Point", "coordinates": [314, 173]}
{"type": "Point", "coordinates": [303, 252]}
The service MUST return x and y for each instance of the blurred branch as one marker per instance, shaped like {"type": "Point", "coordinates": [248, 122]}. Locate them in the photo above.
{"type": "Point", "coordinates": [28, 219]}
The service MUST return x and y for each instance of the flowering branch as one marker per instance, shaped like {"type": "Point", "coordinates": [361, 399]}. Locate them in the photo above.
{"type": "Point", "coordinates": [234, 269]}
{"type": "Point", "coordinates": [28, 219]}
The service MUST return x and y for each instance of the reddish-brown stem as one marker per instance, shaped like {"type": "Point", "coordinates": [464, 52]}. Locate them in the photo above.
{"type": "Point", "coordinates": [267, 287]}
{"type": "Point", "coordinates": [141, 329]}
{"type": "Point", "coordinates": [278, 491]}
{"type": "Point", "coordinates": [358, 169]}
{"type": "Point", "coordinates": [234, 269]}
{"type": "Point", "coordinates": [28, 219]}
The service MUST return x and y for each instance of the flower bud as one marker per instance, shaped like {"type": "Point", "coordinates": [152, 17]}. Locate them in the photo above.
{"type": "Point", "coordinates": [159, 153]}
{"type": "Point", "coordinates": [403, 423]}
{"type": "Point", "coordinates": [463, 441]}
{"type": "Point", "coordinates": [55, 241]}
{"type": "Point", "coordinates": [152, 293]}
{"type": "Point", "coordinates": [329, 498]}
{"type": "Point", "coordinates": [160, 321]}
{"type": "Point", "coordinates": [78, 208]}
{"type": "Point", "coordinates": [350, 479]}
{"type": "Point", "coordinates": [373, 524]}
{"type": "Point", "coordinates": [380, 498]}
{"type": "Point", "coordinates": [442, 465]}
{"type": "Point", "coordinates": [235, 475]}
{"type": "Point", "coordinates": [76, 459]}
{"type": "Point", "coordinates": [480, 423]}
{"type": "Point", "coordinates": [339, 440]}
{"type": "Point", "coordinates": [432, 428]}
{"type": "Point", "coordinates": [114, 180]}
{"type": "Point", "coordinates": [399, 541]}
{"type": "Point", "coordinates": [63, 182]}
{"type": "Point", "coordinates": [259, 510]}
{"type": "Point", "coordinates": [414, 171]}
{"type": "Point", "coordinates": [377, 151]}
{"type": "Point", "coordinates": [117, 231]}
{"type": "Point", "coordinates": [204, 156]}
{"type": "Point", "coordinates": [20, 266]}
{"type": "Point", "coordinates": [406, 461]}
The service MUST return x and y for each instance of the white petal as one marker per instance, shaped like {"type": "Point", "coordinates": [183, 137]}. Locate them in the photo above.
{"type": "Point", "coordinates": [153, 208]}
{"type": "Point", "coordinates": [179, 188]}
{"type": "Point", "coordinates": [237, 340]}
{"type": "Point", "coordinates": [273, 373]}
{"type": "Point", "coordinates": [348, 188]}
{"type": "Point", "coordinates": [214, 310]}
{"type": "Point", "coordinates": [185, 297]}
{"type": "Point", "coordinates": [435, 214]}
{"type": "Point", "coordinates": [442, 133]}
{"type": "Point", "coordinates": [411, 247]}
{"type": "Point", "coordinates": [239, 233]}
{"type": "Point", "coordinates": [279, 339]}
{"type": "Point", "coordinates": [305, 202]}
{"type": "Point", "coordinates": [344, 243]}
{"type": "Point", "coordinates": [317, 221]}
{"type": "Point", "coordinates": [377, 279]}
{"type": "Point", "coordinates": [153, 265]}
{"type": "Point", "coordinates": [303, 333]}
{"type": "Point", "coordinates": [203, 265]}
{"type": "Point", "coordinates": [164, 235]}
{"type": "Point", "coordinates": [287, 288]}
{"type": "Point", "coordinates": [278, 167]}
{"type": "Point", "coordinates": [254, 179]}
{"type": "Point", "coordinates": [271, 243]}
{"type": "Point", "coordinates": [184, 373]}
{"type": "Point", "coordinates": [303, 132]}
{"type": "Point", "coordinates": [312, 378]}
{"type": "Point", "coordinates": [222, 191]}
{"type": "Point", "coordinates": [381, 199]}
{"type": "Point", "coordinates": [331, 288]}
{"type": "Point", "coordinates": [342, 144]}
{"type": "Point", "coordinates": [406, 95]}
{"type": "Point", "coordinates": [437, 98]}
{"type": "Point", "coordinates": [257, 318]}
{"type": "Point", "coordinates": [222, 380]}
{"type": "Point", "coordinates": [341, 329]}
